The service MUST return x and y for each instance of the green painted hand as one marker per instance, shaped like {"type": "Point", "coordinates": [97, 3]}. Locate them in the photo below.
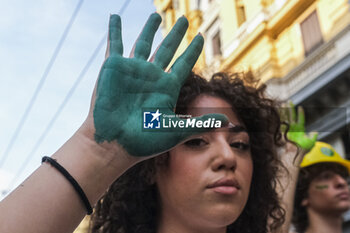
{"type": "Point", "coordinates": [127, 85]}
{"type": "Point", "coordinates": [296, 131]}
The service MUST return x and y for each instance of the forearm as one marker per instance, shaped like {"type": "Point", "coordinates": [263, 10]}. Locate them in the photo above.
{"type": "Point", "coordinates": [47, 202]}
{"type": "Point", "coordinates": [289, 182]}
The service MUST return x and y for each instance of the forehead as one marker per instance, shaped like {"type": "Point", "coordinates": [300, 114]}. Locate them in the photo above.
{"type": "Point", "coordinates": [319, 170]}
{"type": "Point", "coordinates": [340, 170]}
{"type": "Point", "coordinates": [205, 104]}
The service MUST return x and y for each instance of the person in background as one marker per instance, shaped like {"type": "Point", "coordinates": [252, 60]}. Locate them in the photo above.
{"type": "Point", "coordinates": [322, 193]}
{"type": "Point", "coordinates": [314, 193]}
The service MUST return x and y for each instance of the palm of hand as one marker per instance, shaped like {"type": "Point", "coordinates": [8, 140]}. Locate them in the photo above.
{"type": "Point", "coordinates": [297, 134]}
{"type": "Point", "coordinates": [296, 131]}
{"type": "Point", "coordinates": [126, 85]}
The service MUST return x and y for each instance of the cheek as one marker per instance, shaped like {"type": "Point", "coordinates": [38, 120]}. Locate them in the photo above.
{"type": "Point", "coordinates": [248, 174]}
{"type": "Point", "coordinates": [182, 173]}
{"type": "Point", "coordinates": [246, 169]}
{"type": "Point", "coordinates": [249, 167]}
{"type": "Point", "coordinates": [320, 192]}
{"type": "Point", "coordinates": [184, 169]}
{"type": "Point", "coordinates": [180, 185]}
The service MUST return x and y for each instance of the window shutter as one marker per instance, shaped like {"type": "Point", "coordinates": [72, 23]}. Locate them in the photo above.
{"type": "Point", "coordinates": [311, 33]}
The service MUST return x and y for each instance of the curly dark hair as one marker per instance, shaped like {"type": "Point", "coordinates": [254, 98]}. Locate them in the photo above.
{"type": "Point", "coordinates": [131, 204]}
{"type": "Point", "coordinates": [300, 217]}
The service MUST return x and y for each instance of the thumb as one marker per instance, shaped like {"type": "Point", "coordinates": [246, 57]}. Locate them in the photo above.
{"type": "Point", "coordinates": [308, 142]}
{"type": "Point", "coordinates": [313, 137]}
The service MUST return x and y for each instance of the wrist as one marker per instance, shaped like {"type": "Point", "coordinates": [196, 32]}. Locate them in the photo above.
{"type": "Point", "coordinates": [94, 166]}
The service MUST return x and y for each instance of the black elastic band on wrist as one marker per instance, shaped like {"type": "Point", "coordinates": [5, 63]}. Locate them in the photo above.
{"type": "Point", "coordinates": [71, 180]}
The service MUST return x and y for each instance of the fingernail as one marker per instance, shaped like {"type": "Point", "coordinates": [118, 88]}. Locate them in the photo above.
{"type": "Point", "coordinates": [183, 16]}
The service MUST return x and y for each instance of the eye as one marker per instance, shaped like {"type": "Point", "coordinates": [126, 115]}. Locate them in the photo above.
{"type": "Point", "coordinates": [196, 142]}
{"type": "Point", "coordinates": [326, 175]}
{"type": "Point", "coordinates": [240, 145]}
{"type": "Point", "coordinates": [348, 180]}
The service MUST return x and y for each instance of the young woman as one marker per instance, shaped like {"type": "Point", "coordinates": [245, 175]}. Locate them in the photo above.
{"type": "Point", "coordinates": [219, 181]}
{"type": "Point", "coordinates": [203, 180]}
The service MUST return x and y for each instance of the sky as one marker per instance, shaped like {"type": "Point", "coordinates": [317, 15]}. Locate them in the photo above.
{"type": "Point", "coordinates": [29, 34]}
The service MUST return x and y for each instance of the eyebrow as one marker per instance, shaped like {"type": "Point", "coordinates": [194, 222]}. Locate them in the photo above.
{"type": "Point", "coordinates": [236, 128]}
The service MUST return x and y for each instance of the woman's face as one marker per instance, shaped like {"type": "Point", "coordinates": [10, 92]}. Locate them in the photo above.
{"type": "Point", "coordinates": [207, 182]}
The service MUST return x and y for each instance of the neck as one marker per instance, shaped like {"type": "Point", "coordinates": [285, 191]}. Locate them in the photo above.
{"type": "Point", "coordinates": [174, 224]}
{"type": "Point", "coordinates": [324, 222]}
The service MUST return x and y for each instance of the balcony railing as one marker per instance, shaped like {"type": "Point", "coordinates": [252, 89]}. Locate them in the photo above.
{"type": "Point", "coordinates": [313, 66]}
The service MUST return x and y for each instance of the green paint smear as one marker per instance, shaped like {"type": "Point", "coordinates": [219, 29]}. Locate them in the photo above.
{"type": "Point", "coordinates": [126, 85]}
{"type": "Point", "coordinates": [321, 187]}
{"type": "Point", "coordinates": [296, 131]}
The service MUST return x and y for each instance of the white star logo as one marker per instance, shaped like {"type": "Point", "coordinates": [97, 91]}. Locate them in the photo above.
{"type": "Point", "coordinates": [156, 115]}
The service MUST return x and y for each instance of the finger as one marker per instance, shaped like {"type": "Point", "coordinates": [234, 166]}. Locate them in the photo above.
{"type": "Point", "coordinates": [168, 47]}
{"type": "Point", "coordinates": [283, 127]}
{"type": "Point", "coordinates": [301, 116]}
{"type": "Point", "coordinates": [283, 114]}
{"type": "Point", "coordinates": [115, 45]}
{"type": "Point", "coordinates": [143, 44]}
{"type": "Point", "coordinates": [308, 142]}
{"type": "Point", "coordinates": [288, 115]}
{"type": "Point", "coordinates": [313, 136]}
{"type": "Point", "coordinates": [292, 114]}
{"type": "Point", "coordinates": [184, 64]}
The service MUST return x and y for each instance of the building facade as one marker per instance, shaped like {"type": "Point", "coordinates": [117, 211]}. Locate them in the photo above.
{"type": "Point", "coordinates": [299, 48]}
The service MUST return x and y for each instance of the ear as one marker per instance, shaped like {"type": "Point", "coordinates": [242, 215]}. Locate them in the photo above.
{"type": "Point", "coordinates": [305, 202]}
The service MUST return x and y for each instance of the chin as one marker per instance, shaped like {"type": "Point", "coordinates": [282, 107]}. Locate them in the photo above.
{"type": "Point", "coordinates": [224, 216]}
{"type": "Point", "coordinates": [343, 207]}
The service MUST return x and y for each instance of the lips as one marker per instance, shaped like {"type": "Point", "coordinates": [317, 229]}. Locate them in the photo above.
{"type": "Point", "coordinates": [225, 186]}
{"type": "Point", "coordinates": [344, 195]}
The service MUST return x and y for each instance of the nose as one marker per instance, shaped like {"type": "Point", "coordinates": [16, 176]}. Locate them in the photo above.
{"type": "Point", "coordinates": [224, 157]}
{"type": "Point", "coordinates": [340, 182]}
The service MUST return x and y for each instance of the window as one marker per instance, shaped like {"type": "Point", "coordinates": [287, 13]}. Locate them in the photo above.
{"type": "Point", "coordinates": [213, 37]}
{"type": "Point", "coordinates": [240, 12]}
{"type": "Point", "coordinates": [311, 33]}
{"type": "Point", "coordinates": [176, 5]}
{"type": "Point", "coordinates": [195, 4]}
{"type": "Point", "coordinates": [216, 43]}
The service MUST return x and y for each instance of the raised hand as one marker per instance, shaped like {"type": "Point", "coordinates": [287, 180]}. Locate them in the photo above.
{"type": "Point", "coordinates": [296, 131]}
{"type": "Point", "coordinates": [127, 85]}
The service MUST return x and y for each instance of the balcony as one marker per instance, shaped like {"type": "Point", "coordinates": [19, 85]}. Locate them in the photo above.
{"type": "Point", "coordinates": [315, 71]}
